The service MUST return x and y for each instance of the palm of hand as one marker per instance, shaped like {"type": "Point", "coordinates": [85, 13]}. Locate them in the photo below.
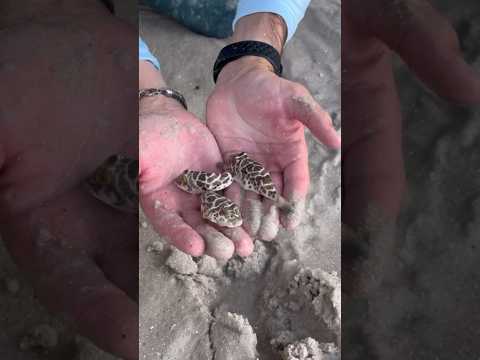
{"type": "Point", "coordinates": [260, 122]}
{"type": "Point", "coordinates": [256, 121]}
{"type": "Point", "coordinates": [182, 142]}
{"type": "Point", "coordinates": [58, 121]}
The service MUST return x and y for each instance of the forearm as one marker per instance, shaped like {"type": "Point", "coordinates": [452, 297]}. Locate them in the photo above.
{"type": "Point", "coordinates": [272, 22]}
{"type": "Point", "coordinates": [291, 12]}
{"type": "Point", "coordinates": [149, 76]}
{"type": "Point", "coordinates": [266, 27]}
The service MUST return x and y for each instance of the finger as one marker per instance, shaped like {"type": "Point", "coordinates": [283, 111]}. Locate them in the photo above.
{"type": "Point", "coordinates": [302, 107]}
{"type": "Point", "coordinates": [297, 181]}
{"type": "Point", "coordinates": [372, 165]}
{"type": "Point", "coordinates": [270, 220]}
{"type": "Point", "coordinates": [176, 231]}
{"type": "Point", "coordinates": [117, 256]}
{"type": "Point", "coordinates": [217, 245]}
{"type": "Point", "coordinates": [251, 212]}
{"type": "Point", "coordinates": [427, 42]}
{"type": "Point", "coordinates": [122, 276]}
{"type": "Point", "coordinates": [69, 282]}
{"type": "Point", "coordinates": [241, 240]}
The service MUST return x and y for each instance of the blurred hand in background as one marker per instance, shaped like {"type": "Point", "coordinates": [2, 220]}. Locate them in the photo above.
{"type": "Point", "coordinates": [373, 176]}
{"type": "Point", "coordinates": [67, 71]}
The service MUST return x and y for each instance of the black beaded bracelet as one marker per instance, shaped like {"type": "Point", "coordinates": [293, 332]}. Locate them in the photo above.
{"type": "Point", "coordinates": [247, 48]}
{"type": "Point", "coordinates": [168, 92]}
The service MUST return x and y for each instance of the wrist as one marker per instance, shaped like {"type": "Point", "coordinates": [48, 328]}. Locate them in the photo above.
{"type": "Point", "coordinates": [265, 27]}
{"type": "Point", "coordinates": [159, 104]}
{"type": "Point", "coordinates": [242, 66]}
{"type": "Point", "coordinates": [149, 76]}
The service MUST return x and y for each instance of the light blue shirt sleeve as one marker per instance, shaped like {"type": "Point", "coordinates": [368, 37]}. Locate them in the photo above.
{"type": "Point", "coordinates": [145, 54]}
{"type": "Point", "coordinates": [292, 11]}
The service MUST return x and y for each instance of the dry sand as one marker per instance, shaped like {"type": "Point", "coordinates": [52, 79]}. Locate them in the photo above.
{"type": "Point", "coordinates": [284, 300]}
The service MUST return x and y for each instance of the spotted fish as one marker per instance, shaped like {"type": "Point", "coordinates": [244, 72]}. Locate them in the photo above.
{"type": "Point", "coordinates": [115, 183]}
{"type": "Point", "coordinates": [251, 175]}
{"type": "Point", "coordinates": [197, 182]}
{"type": "Point", "coordinates": [220, 210]}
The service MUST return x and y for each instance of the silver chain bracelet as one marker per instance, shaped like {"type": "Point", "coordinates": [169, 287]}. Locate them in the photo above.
{"type": "Point", "coordinates": [168, 92]}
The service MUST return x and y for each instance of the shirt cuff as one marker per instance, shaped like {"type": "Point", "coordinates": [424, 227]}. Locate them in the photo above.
{"type": "Point", "coordinates": [292, 11]}
{"type": "Point", "coordinates": [145, 54]}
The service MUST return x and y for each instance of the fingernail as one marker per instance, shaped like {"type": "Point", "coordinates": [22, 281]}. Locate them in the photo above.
{"type": "Point", "coordinates": [252, 216]}
{"type": "Point", "coordinates": [242, 242]}
{"type": "Point", "coordinates": [295, 214]}
{"type": "Point", "coordinates": [270, 224]}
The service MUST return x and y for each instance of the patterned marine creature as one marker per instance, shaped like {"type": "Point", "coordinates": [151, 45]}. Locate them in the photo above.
{"type": "Point", "coordinates": [197, 182]}
{"type": "Point", "coordinates": [220, 210]}
{"type": "Point", "coordinates": [214, 206]}
{"type": "Point", "coordinates": [251, 175]}
{"type": "Point", "coordinates": [115, 182]}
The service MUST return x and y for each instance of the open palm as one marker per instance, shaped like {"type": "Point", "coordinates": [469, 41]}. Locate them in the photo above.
{"type": "Point", "coordinates": [264, 115]}
{"type": "Point", "coordinates": [171, 141]}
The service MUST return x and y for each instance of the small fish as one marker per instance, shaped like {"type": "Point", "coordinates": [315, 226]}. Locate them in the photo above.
{"type": "Point", "coordinates": [220, 210]}
{"type": "Point", "coordinates": [197, 182]}
{"type": "Point", "coordinates": [252, 176]}
{"type": "Point", "coordinates": [115, 183]}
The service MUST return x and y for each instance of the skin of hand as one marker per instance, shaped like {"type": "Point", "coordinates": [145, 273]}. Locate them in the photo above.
{"type": "Point", "coordinates": [171, 141]}
{"type": "Point", "coordinates": [373, 175]}
{"type": "Point", "coordinates": [60, 64]}
{"type": "Point", "coordinates": [253, 110]}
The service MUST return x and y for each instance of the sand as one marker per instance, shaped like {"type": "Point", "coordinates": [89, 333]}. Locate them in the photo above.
{"type": "Point", "coordinates": [284, 300]}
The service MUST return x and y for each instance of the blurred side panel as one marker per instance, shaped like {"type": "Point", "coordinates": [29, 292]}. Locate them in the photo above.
{"type": "Point", "coordinates": [410, 179]}
{"type": "Point", "coordinates": [68, 169]}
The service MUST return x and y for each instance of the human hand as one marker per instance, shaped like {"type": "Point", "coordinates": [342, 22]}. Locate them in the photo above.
{"type": "Point", "coordinates": [55, 127]}
{"type": "Point", "coordinates": [255, 111]}
{"type": "Point", "coordinates": [372, 165]}
{"type": "Point", "coordinates": [173, 140]}
{"type": "Point", "coordinates": [373, 177]}
{"type": "Point", "coordinates": [80, 255]}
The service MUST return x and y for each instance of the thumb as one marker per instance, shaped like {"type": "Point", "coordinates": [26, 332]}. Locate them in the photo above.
{"type": "Point", "coordinates": [428, 44]}
{"type": "Point", "coordinates": [302, 107]}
